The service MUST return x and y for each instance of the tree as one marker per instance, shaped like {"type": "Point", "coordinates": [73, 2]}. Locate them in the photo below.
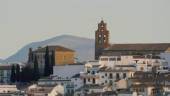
{"type": "Point", "coordinates": [17, 73]}
{"type": "Point", "coordinates": [26, 74]}
{"type": "Point", "coordinates": [36, 74]}
{"type": "Point", "coordinates": [47, 63]}
{"type": "Point", "coordinates": [52, 63]}
{"type": "Point", "coordinates": [30, 56]}
{"type": "Point", "coordinates": [13, 74]}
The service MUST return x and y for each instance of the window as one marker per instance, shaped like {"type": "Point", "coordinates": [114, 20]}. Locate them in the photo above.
{"type": "Point", "coordinates": [112, 59]}
{"type": "Point", "coordinates": [104, 59]}
{"type": "Point", "coordinates": [84, 80]}
{"type": "Point", "coordinates": [124, 75]}
{"type": "Point", "coordinates": [165, 68]}
{"type": "Point", "coordinates": [139, 89]}
{"type": "Point", "coordinates": [110, 75]}
{"type": "Point", "coordinates": [106, 74]}
{"type": "Point", "coordinates": [118, 59]}
{"type": "Point", "coordinates": [94, 81]}
{"type": "Point", "coordinates": [88, 71]}
{"type": "Point", "coordinates": [117, 76]}
{"type": "Point", "coordinates": [93, 72]}
{"type": "Point", "coordinates": [88, 79]}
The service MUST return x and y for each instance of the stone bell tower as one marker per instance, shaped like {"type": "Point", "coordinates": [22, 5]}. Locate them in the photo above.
{"type": "Point", "coordinates": [101, 39]}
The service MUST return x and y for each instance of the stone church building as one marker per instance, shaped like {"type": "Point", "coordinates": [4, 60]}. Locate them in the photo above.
{"type": "Point", "coordinates": [61, 56]}
{"type": "Point", "coordinates": [103, 47]}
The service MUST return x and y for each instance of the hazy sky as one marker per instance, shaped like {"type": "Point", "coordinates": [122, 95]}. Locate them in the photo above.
{"type": "Point", "coordinates": [129, 21]}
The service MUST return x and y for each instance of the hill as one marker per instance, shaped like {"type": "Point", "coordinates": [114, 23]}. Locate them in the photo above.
{"type": "Point", "coordinates": [84, 47]}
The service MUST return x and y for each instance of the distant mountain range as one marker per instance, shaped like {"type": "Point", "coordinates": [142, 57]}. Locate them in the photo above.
{"type": "Point", "coordinates": [84, 47]}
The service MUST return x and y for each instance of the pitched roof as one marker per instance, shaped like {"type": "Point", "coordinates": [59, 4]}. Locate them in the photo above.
{"type": "Point", "coordinates": [139, 47]}
{"type": "Point", "coordinates": [5, 67]}
{"type": "Point", "coordinates": [54, 48]}
{"type": "Point", "coordinates": [76, 75]}
{"type": "Point", "coordinates": [90, 86]}
{"type": "Point", "coordinates": [125, 65]}
{"type": "Point", "coordinates": [108, 69]}
{"type": "Point", "coordinates": [107, 93]}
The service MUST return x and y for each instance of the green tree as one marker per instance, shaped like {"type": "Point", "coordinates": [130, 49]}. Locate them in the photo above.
{"type": "Point", "coordinates": [36, 74]}
{"type": "Point", "coordinates": [17, 72]}
{"type": "Point", "coordinates": [26, 74]}
{"type": "Point", "coordinates": [13, 74]}
{"type": "Point", "coordinates": [47, 63]}
{"type": "Point", "coordinates": [30, 56]}
{"type": "Point", "coordinates": [52, 63]}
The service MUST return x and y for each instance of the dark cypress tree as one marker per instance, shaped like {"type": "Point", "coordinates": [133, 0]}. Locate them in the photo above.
{"type": "Point", "coordinates": [30, 56]}
{"type": "Point", "coordinates": [36, 74]}
{"type": "Point", "coordinates": [22, 75]}
{"type": "Point", "coordinates": [13, 74]}
{"type": "Point", "coordinates": [47, 63]}
{"type": "Point", "coordinates": [27, 74]}
{"type": "Point", "coordinates": [52, 63]}
{"type": "Point", "coordinates": [17, 73]}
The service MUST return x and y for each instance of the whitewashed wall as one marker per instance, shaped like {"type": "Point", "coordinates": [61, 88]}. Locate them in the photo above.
{"type": "Point", "coordinates": [166, 56]}
{"type": "Point", "coordinates": [67, 71]}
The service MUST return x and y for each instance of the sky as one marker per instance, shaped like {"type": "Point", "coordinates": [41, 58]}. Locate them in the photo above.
{"type": "Point", "coordinates": [129, 21]}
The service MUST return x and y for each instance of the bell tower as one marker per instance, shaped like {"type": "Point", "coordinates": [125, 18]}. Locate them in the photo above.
{"type": "Point", "coordinates": [101, 39]}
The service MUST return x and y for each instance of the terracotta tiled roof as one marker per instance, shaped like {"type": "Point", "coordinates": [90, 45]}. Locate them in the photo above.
{"type": "Point", "coordinates": [138, 47]}
{"type": "Point", "coordinates": [5, 67]}
{"type": "Point", "coordinates": [54, 48]}
{"type": "Point", "coordinates": [149, 77]}
{"type": "Point", "coordinates": [107, 93]}
{"type": "Point", "coordinates": [89, 86]}
{"type": "Point", "coordinates": [125, 66]}
{"type": "Point", "coordinates": [76, 76]}
{"type": "Point", "coordinates": [108, 69]}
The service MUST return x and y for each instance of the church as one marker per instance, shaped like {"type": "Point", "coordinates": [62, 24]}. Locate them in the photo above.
{"type": "Point", "coordinates": [104, 48]}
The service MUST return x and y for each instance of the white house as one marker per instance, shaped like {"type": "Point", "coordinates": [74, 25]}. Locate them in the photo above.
{"type": "Point", "coordinates": [46, 90]}
{"type": "Point", "coordinates": [142, 63]}
{"type": "Point", "coordinates": [90, 75]}
{"type": "Point", "coordinates": [77, 81]}
{"type": "Point", "coordinates": [5, 73]}
{"type": "Point", "coordinates": [68, 86]}
{"type": "Point", "coordinates": [8, 90]}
